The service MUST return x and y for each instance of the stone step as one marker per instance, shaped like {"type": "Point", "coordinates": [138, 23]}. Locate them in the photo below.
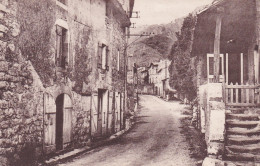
{"type": "Point", "coordinates": [241, 110]}
{"type": "Point", "coordinates": [247, 117]}
{"type": "Point", "coordinates": [243, 131]}
{"type": "Point", "coordinates": [242, 157]}
{"type": "Point", "coordinates": [250, 149]}
{"type": "Point", "coordinates": [242, 140]}
{"type": "Point", "coordinates": [242, 124]}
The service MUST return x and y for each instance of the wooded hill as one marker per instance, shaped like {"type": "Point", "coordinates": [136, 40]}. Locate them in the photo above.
{"type": "Point", "coordinates": [155, 47]}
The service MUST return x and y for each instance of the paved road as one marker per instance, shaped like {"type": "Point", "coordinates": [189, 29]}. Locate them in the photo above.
{"type": "Point", "coordinates": [155, 140]}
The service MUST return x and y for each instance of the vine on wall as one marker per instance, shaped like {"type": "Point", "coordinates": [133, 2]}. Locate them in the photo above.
{"type": "Point", "coordinates": [36, 19]}
{"type": "Point", "coordinates": [82, 61]}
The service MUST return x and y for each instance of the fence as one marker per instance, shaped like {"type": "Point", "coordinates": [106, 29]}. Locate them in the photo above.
{"type": "Point", "coordinates": [242, 95]}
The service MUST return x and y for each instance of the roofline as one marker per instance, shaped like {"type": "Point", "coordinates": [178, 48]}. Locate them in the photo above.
{"type": "Point", "coordinates": [211, 6]}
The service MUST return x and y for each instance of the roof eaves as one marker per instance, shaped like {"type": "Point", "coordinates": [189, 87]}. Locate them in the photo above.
{"type": "Point", "coordinates": [214, 5]}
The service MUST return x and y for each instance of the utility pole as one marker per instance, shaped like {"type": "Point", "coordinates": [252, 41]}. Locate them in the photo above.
{"type": "Point", "coordinates": [125, 53]}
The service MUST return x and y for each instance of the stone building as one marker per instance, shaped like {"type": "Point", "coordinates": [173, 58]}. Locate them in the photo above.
{"type": "Point", "coordinates": [158, 75]}
{"type": "Point", "coordinates": [226, 48]}
{"type": "Point", "coordinates": [61, 74]}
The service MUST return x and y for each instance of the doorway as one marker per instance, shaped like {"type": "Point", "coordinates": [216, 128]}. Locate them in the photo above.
{"type": "Point", "coordinates": [59, 122]}
{"type": "Point", "coordinates": [63, 120]}
{"type": "Point", "coordinates": [234, 68]}
{"type": "Point", "coordinates": [99, 115]}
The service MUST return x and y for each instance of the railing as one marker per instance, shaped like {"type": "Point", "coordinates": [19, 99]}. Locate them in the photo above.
{"type": "Point", "coordinates": [242, 95]}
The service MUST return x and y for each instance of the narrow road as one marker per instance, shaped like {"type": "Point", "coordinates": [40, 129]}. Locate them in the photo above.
{"type": "Point", "coordinates": [154, 140]}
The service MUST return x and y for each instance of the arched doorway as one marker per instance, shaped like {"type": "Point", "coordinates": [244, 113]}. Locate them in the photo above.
{"type": "Point", "coordinates": [63, 120]}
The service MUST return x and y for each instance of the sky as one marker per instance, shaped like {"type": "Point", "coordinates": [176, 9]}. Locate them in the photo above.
{"type": "Point", "coordinates": [164, 11]}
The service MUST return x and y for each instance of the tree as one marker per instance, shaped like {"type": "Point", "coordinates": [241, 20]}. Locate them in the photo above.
{"type": "Point", "coordinates": [182, 75]}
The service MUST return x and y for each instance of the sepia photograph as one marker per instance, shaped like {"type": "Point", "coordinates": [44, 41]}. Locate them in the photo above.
{"type": "Point", "coordinates": [129, 83]}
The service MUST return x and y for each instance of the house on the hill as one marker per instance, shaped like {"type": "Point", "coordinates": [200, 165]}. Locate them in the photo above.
{"type": "Point", "coordinates": [226, 45]}
{"type": "Point", "coordinates": [61, 74]}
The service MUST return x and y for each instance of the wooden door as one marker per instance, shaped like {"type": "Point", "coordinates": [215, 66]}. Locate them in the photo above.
{"type": "Point", "coordinates": [49, 120]}
{"type": "Point", "coordinates": [104, 111]}
{"type": "Point", "coordinates": [67, 119]}
{"type": "Point", "coordinates": [110, 113]}
{"type": "Point", "coordinates": [86, 106]}
{"type": "Point", "coordinates": [94, 115]}
{"type": "Point", "coordinates": [122, 111]}
{"type": "Point", "coordinates": [100, 110]}
{"type": "Point", "coordinates": [117, 111]}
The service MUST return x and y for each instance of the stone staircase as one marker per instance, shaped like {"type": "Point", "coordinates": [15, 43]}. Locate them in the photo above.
{"type": "Point", "coordinates": [242, 135]}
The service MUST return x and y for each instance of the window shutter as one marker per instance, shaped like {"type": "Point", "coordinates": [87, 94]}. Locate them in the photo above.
{"type": "Point", "coordinates": [58, 45]}
{"type": "Point", "coordinates": [107, 56]}
{"type": "Point", "coordinates": [99, 56]}
{"type": "Point", "coordinates": [65, 54]}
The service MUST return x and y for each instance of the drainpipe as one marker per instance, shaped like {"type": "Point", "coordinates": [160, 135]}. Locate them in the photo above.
{"type": "Point", "coordinates": [43, 128]}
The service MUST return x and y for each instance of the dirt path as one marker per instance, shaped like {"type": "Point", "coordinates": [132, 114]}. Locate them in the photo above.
{"type": "Point", "coordinates": [156, 139]}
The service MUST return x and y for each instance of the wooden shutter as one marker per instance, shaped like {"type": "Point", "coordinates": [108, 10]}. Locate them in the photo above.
{"type": "Point", "coordinates": [117, 111]}
{"type": "Point", "coordinates": [104, 111]}
{"type": "Point", "coordinates": [94, 114]}
{"type": "Point", "coordinates": [58, 45]}
{"type": "Point", "coordinates": [50, 120]}
{"type": "Point", "coordinates": [99, 56]}
{"type": "Point", "coordinates": [107, 57]}
{"type": "Point", "coordinates": [122, 111]}
{"type": "Point", "coordinates": [110, 113]}
{"type": "Point", "coordinates": [67, 119]}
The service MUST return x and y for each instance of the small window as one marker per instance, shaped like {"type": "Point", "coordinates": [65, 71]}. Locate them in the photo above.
{"type": "Point", "coordinates": [103, 57]}
{"type": "Point", "coordinates": [118, 60]}
{"type": "Point", "coordinates": [61, 47]}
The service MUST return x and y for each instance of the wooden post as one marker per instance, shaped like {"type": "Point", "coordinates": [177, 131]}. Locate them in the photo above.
{"type": "Point", "coordinates": [242, 68]}
{"type": "Point", "coordinates": [227, 68]}
{"type": "Point", "coordinates": [217, 47]}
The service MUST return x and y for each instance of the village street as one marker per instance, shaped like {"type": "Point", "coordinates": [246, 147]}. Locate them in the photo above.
{"type": "Point", "coordinates": [155, 139]}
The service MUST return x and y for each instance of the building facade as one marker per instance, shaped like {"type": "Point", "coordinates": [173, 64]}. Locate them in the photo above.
{"type": "Point", "coordinates": [226, 45]}
{"type": "Point", "coordinates": [61, 74]}
{"type": "Point", "coordinates": [158, 75]}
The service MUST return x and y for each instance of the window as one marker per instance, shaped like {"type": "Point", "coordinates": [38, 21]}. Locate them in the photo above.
{"type": "Point", "coordinates": [103, 53]}
{"type": "Point", "coordinates": [210, 67]}
{"type": "Point", "coordinates": [61, 46]}
{"type": "Point", "coordinates": [118, 60]}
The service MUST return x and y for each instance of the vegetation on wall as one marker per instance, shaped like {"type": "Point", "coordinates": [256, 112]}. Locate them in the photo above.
{"type": "Point", "coordinates": [182, 72]}
{"type": "Point", "coordinates": [82, 65]}
{"type": "Point", "coordinates": [36, 19]}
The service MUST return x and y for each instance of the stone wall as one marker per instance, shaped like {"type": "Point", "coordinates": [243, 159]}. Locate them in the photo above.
{"type": "Point", "coordinates": [30, 82]}
{"type": "Point", "coordinates": [21, 112]}
{"type": "Point", "coordinates": [212, 117]}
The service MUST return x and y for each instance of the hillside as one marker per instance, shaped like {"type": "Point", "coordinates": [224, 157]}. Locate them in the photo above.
{"type": "Point", "coordinates": [155, 47]}
{"type": "Point", "coordinates": [159, 44]}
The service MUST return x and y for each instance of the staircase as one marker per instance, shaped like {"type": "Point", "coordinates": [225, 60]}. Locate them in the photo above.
{"type": "Point", "coordinates": [242, 135]}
